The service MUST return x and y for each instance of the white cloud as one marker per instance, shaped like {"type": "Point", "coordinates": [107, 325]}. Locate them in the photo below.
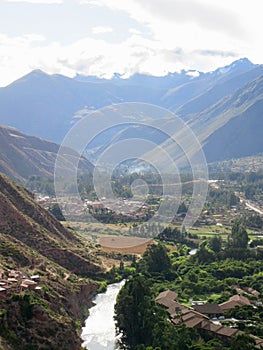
{"type": "Point", "coordinates": [134, 31]}
{"type": "Point", "coordinates": [91, 2]}
{"type": "Point", "coordinates": [202, 12]}
{"type": "Point", "coordinates": [185, 34]}
{"type": "Point", "coordinates": [102, 30]}
{"type": "Point", "coordinates": [37, 1]}
{"type": "Point", "coordinates": [233, 25]}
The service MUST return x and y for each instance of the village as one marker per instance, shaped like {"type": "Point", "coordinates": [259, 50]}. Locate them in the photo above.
{"type": "Point", "coordinates": [12, 281]}
{"type": "Point", "coordinates": [206, 318]}
{"type": "Point", "coordinates": [225, 203]}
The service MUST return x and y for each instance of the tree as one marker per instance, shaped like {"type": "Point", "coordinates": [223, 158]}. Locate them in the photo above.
{"type": "Point", "coordinates": [215, 243]}
{"type": "Point", "coordinates": [168, 337]}
{"type": "Point", "coordinates": [56, 211]}
{"type": "Point", "coordinates": [171, 234]}
{"type": "Point", "coordinates": [204, 254]}
{"type": "Point", "coordinates": [156, 259]}
{"type": "Point", "coordinates": [242, 341]}
{"type": "Point", "coordinates": [238, 237]}
{"type": "Point", "coordinates": [121, 267]}
{"type": "Point", "coordinates": [182, 209]}
{"type": "Point", "coordinates": [134, 313]}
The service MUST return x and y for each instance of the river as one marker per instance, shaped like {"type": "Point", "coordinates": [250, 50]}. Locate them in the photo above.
{"type": "Point", "coordinates": [99, 330]}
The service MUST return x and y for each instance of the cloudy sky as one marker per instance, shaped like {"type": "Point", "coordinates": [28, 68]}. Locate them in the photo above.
{"type": "Point", "coordinates": [100, 37]}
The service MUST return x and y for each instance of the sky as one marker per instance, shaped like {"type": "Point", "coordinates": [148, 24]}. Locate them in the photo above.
{"type": "Point", "coordinates": [103, 37]}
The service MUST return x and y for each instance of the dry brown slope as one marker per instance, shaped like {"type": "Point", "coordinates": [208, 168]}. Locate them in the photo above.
{"type": "Point", "coordinates": [24, 219]}
{"type": "Point", "coordinates": [34, 242]}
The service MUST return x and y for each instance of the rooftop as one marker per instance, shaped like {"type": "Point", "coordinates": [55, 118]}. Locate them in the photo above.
{"type": "Point", "coordinates": [208, 309]}
{"type": "Point", "coordinates": [168, 294]}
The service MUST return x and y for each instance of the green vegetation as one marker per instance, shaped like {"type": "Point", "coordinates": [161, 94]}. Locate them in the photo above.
{"type": "Point", "coordinates": [143, 324]}
{"type": "Point", "coordinates": [209, 275]}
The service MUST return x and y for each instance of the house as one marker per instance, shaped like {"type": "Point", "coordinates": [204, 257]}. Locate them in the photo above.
{"type": "Point", "coordinates": [28, 284]}
{"type": "Point", "coordinates": [227, 332]}
{"type": "Point", "coordinates": [167, 299]}
{"type": "Point", "coordinates": [209, 328]}
{"type": "Point", "coordinates": [212, 330]}
{"type": "Point", "coordinates": [15, 274]}
{"type": "Point", "coordinates": [190, 318]}
{"type": "Point", "coordinates": [251, 291]}
{"type": "Point", "coordinates": [247, 290]}
{"type": "Point", "coordinates": [259, 341]}
{"type": "Point", "coordinates": [200, 321]}
{"type": "Point", "coordinates": [2, 292]}
{"type": "Point", "coordinates": [35, 277]}
{"type": "Point", "coordinates": [167, 303]}
{"type": "Point", "coordinates": [12, 280]}
{"type": "Point", "coordinates": [175, 309]}
{"type": "Point", "coordinates": [210, 310]}
{"type": "Point", "coordinates": [168, 294]}
{"type": "Point", "coordinates": [236, 300]}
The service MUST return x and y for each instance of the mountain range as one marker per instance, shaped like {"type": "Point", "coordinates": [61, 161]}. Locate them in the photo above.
{"type": "Point", "coordinates": [222, 107]}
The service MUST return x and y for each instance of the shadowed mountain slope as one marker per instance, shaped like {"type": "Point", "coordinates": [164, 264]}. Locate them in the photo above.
{"type": "Point", "coordinates": [22, 155]}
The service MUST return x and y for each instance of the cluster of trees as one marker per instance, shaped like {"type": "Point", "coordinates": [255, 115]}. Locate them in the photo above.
{"type": "Point", "coordinates": [56, 211]}
{"type": "Point", "coordinates": [218, 197]}
{"type": "Point", "coordinates": [235, 247]}
{"type": "Point", "coordinates": [177, 236]}
{"type": "Point", "coordinates": [40, 184]}
{"type": "Point", "coordinates": [252, 220]}
{"type": "Point", "coordinates": [252, 185]}
{"type": "Point", "coordinates": [143, 325]}
{"type": "Point", "coordinates": [250, 319]}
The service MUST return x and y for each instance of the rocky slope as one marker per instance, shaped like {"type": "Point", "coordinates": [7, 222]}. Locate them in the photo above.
{"type": "Point", "coordinates": [33, 242]}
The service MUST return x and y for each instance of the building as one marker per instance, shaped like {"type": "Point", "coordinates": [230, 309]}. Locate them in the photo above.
{"type": "Point", "coordinates": [168, 294]}
{"type": "Point", "coordinates": [200, 320]}
{"type": "Point", "coordinates": [210, 310]}
{"type": "Point", "coordinates": [235, 300]}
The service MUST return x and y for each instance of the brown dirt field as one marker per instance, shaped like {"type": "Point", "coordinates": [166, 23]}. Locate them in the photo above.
{"type": "Point", "coordinates": [121, 244]}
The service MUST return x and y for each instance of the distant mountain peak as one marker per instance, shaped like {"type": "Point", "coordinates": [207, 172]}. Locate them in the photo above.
{"type": "Point", "coordinates": [242, 64]}
{"type": "Point", "coordinates": [36, 73]}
